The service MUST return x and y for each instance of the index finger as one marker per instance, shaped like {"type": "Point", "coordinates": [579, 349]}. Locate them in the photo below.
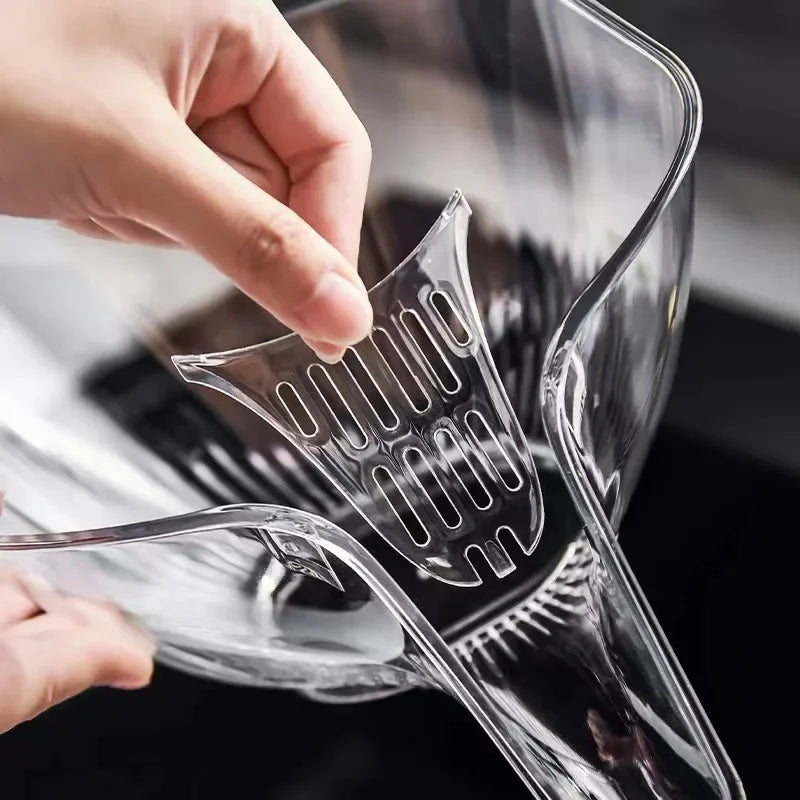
{"type": "Point", "coordinates": [308, 123]}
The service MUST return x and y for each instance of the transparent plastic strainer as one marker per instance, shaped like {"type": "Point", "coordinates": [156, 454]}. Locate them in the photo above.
{"type": "Point", "coordinates": [571, 135]}
{"type": "Point", "coordinates": [412, 426]}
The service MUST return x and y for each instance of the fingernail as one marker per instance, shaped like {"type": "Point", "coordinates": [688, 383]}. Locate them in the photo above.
{"type": "Point", "coordinates": [130, 685]}
{"type": "Point", "coordinates": [325, 351]}
{"type": "Point", "coordinates": [338, 312]}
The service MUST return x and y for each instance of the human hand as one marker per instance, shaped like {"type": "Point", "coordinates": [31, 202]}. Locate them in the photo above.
{"type": "Point", "coordinates": [201, 123]}
{"type": "Point", "coordinates": [49, 656]}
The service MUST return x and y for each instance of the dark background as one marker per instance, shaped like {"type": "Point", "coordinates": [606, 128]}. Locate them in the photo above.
{"type": "Point", "coordinates": [710, 534]}
{"type": "Point", "coordinates": [746, 59]}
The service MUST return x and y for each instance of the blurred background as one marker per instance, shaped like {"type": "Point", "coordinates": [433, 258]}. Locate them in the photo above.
{"type": "Point", "coordinates": [715, 505]}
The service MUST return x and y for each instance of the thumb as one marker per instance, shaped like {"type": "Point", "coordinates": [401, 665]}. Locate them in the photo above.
{"type": "Point", "coordinates": [183, 189]}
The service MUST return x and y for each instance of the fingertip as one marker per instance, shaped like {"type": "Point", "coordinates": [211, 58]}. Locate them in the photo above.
{"type": "Point", "coordinates": [338, 312]}
{"type": "Point", "coordinates": [128, 665]}
{"type": "Point", "coordinates": [138, 680]}
{"type": "Point", "coordinates": [325, 351]}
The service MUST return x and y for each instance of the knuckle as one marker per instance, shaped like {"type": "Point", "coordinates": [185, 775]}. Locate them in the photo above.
{"type": "Point", "coordinates": [249, 29]}
{"type": "Point", "coordinates": [366, 142]}
{"type": "Point", "coordinates": [263, 245]}
{"type": "Point", "coordinates": [362, 144]}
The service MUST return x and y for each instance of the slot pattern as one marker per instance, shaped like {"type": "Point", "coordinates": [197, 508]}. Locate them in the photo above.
{"type": "Point", "coordinates": [432, 488]}
{"type": "Point", "coordinates": [467, 476]}
{"type": "Point", "coordinates": [403, 510]}
{"type": "Point", "coordinates": [370, 392]}
{"type": "Point", "coordinates": [429, 352]}
{"type": "Point", "coordinates": [338, 410]}
{"type": "Point", "coordinates": [446, 311]}
{"type": "Point", "coordinates": [296, 410]}
{"type": "Point", "coordinates": [482, 434]}
{"type": "Point", "coordinates": [399, 368]}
